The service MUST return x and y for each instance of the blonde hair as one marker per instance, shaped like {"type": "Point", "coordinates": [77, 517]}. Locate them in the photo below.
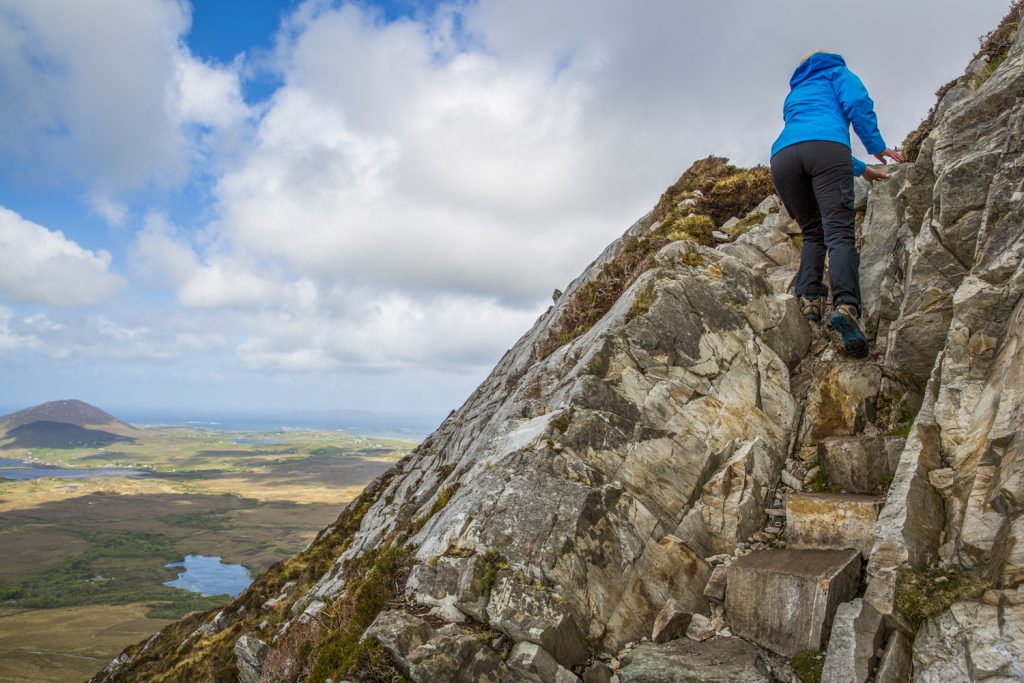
{"type": "Point", "coordinates": [811, 54]}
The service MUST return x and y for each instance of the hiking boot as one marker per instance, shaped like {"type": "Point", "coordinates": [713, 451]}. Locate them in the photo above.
{"type": "Point", "coordinates": [811, 308]}
{"type": "Point", "coordinates": [844, 321]}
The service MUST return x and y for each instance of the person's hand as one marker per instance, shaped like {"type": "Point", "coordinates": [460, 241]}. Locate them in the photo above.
{"type": "Point", "coordinates": [892, 154]}
{"type": "Point", "coordinates": [873, 174]}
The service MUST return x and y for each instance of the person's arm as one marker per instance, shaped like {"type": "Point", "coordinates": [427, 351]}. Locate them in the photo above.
{"type": "Point", "coordinates": [859, 110]}
{"type": "Point", "coordinates": [858, 167]}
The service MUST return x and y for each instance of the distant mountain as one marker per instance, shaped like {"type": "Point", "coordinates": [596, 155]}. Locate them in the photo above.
{"type": "Point", "coordinates": [62, 424]}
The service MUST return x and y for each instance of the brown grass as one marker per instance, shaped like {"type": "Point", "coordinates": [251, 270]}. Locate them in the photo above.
{"type": "Point", "coordinates": [716, 191]}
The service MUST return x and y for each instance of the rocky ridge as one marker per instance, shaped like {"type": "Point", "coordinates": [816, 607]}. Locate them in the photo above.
{"type": "Point", "coordinates": [700, 487]}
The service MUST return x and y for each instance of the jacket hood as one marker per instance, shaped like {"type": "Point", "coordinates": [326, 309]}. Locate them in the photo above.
{"type": "Point", "coordinates": [815, 64]}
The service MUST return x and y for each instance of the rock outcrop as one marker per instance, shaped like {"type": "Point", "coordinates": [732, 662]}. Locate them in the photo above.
{"type": "Point", "coordinates": [541, 530]}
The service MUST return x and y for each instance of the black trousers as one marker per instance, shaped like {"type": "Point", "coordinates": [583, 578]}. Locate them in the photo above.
{"type": "Point", "coordinates": [815, 181]}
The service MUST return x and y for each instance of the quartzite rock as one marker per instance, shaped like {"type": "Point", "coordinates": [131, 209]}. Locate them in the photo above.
{"type": "Point", "coordinates": [672, 622]}
{"type": "Point", "coordinates": [856, 636]}
{"type": "Point", "coordinates": [842, 402]}
{"type": "Point", "coordinates": [971, 641]}
{"type": "Point", "coordinates": [526, 613]}
{"type": "Point", "coordinates": [399, 633]}
{"type": "Point", "coordinates": [715, 590]}
{"type": "Point", "coordinates": [250, 653]}
{"type": "Point", "coordinates": [896, 663]}
{"type": "Point", "coordinates": [723, 660]}
{"type": "Point", "coordinates": [860, 464]}
{"type": "Point", "coordinates": [785, 599]}
{"type": "Point", "coordinates": [831, 521]}
{"type": "Point", "coordinates": [534, 663]}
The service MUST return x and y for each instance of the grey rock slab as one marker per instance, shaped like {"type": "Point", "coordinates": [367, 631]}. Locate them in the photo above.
{"type": "Point", "coordinates": [715, 589]}
{"type": "Point", "coordinates": [896, 663]}
{"type": "Point", "coordinates": [856, 636]}
{"type": "Point", "coordinates": [971, 641]}
{"type": "Point", "coordinates": [598, 672]}
{"type": "Point", "coordinates": [526, 613]}
{"type": "Point", "coordinates": [860, 464]}
{"type": "Point", "coordinates": [722, 660]}
{"type": "Point", "coordinates": [785, 600]}
{"type": "Point", "coordinates": [535, 664]}
{"type": "Point", "coordinates": [671, 623]}
{"type": "Point", "coordinates": [701, 628]}
{"type": "Point", "coordinates": [249, 655]}
{"type": "Point", "coordinates": [832, 521]}
{"type": "Point", "coordinates": [669, 571]}
{"type": "Point", "coordinates": [400, 633]}
{"type": "Point", "coordinates": [459, 658]}
{"type": "Point", "coordinates": [842, 402]}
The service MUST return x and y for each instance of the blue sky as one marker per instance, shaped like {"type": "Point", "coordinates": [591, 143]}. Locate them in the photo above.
{"type": "Point", "coordinates": [268, 206]}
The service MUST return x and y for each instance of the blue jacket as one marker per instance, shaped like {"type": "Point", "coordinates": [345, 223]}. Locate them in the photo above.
{"type": "Point", "coordinates": [824, 99]}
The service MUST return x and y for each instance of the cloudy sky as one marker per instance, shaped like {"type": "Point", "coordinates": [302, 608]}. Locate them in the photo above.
{"type": "Point", "coordinates": [257, 205]}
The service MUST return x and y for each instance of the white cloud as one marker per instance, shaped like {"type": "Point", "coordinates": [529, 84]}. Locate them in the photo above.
{"type": "Point", "coordinates": [38, 265]}
{"type": "Point", "coordinates": [105, 94]}
{"type": "Point", "coordinates": [206, 94]}
{"type": "Point", "coordinates": [162, 253]}
{"type": "Point", "coordinates": [112, 211]}
{"type": "Point", "coordinates": [149, 337]}
{"type": "Point", "coordinates": [389, 332]}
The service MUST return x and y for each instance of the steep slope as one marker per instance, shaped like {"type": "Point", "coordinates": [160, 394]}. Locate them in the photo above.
{"type": "Point", "coordinates": [649, 467]}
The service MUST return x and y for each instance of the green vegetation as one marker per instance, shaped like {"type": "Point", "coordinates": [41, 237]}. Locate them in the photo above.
{"type": "Point", "coordinates": [808, 665]}
{"type": "Point", "coordinates": [375, 580]}
{"type": "Point", "coordinates": [820, 483]}
{"type": "Point", "coordinates": [989, 69]}
{"type": "Point", "coordinates": [693, 259]}
{"type": "Point", "coordinates": [562, 420]}
{"type": "Point", "coordinates": [494, 562]}
{"type": "Point", "coordinates": [755, 218]}
{"type": "Point", "coordinates": [641, 304]}
{"type": "Point", "coordinates": [692, 227]}
{"type": "Point", "coordinates": [903, 427]}
{"type": "Point", "coordinates": [921, 594]}
{"type": "Point", "coordinates": [117, 569]}
{"type": "Point", "coordinates": [181, 606]}
{"type": "Point", "coordinates": [707, 193]}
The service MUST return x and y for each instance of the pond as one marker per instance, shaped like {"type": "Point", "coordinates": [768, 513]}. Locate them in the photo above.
{"type": "Point", "coordinates": [210, 576]}
{"type": "Point", "coordinates": [20, 470]}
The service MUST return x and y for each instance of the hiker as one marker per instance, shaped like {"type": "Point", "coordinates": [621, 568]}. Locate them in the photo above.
{"type": "Point", "coordinates": [813, 169]}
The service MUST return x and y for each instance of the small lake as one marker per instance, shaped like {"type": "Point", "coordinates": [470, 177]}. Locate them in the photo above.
{"type": "Point", "coordinates": [20, 470]}
{"type": "Point", "coordinates": [210, 576]}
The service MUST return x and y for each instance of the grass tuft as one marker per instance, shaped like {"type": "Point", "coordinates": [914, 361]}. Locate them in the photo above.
{"type": "Point", "coordinates": [808, 665]}
{"type": "Point", "coordinates": [820, 483]}
{"type": "Point", "coordinates": [494, 562]}
{"type": "Point", "coordinates": [562, 420]}
{"type": "Point", "coordinates": [707, 193]}
{"type": "Point", "coordinates": [375, 581]}
{"type": "Point", "coordinates": [921, 594]}
{"type": "Point", "coordinates": [641, 304]}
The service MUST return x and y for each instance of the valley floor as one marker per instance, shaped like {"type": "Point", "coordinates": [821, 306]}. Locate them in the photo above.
{"type": "Point", "coordinates": [83, 567]}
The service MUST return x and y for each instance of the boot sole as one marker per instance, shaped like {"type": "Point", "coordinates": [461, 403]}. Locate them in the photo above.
{"type": "Point", "coordinates": [853, 339]}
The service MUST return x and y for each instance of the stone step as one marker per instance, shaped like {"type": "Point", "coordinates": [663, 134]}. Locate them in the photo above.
{"type": "Point", "coordinates": [860, 464]}
{"type": "Point", "coordinates": [723, 660]}
{"type": "Point", "coordinates": [832, 521]}
{"type": "Point", "coordinates": [785, 600]}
